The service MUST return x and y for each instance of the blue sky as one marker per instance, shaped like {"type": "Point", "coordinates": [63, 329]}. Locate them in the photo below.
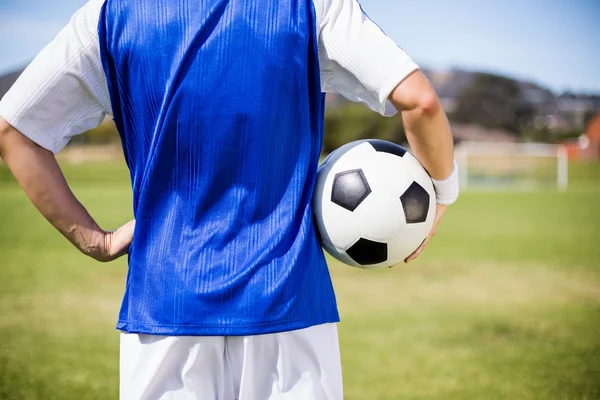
{"type": "Point", "coordinates": [552, 42]}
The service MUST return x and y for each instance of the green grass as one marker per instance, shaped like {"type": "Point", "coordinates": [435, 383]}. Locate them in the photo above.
{"type": "Point", "coordinates": [505, 304]}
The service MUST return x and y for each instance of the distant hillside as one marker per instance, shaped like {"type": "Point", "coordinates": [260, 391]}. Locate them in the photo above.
{"type": "Point", "coordinates": [6, 81]}
{"type": "Point", "coordinates": [449, 84]}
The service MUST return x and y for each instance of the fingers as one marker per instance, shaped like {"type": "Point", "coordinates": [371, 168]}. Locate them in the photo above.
{"type": "Point", "coordinates": [418, 252]}
{"type": "Point", "coordinates": [440, 210]}
{"type": "Point", "coordinates": [118, 242]}
{"type": "Point", "coordinates": [122, 239]}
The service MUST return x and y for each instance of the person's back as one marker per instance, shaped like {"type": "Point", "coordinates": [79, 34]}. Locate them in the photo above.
{"type": "Point", "coordinates": [219, 107]}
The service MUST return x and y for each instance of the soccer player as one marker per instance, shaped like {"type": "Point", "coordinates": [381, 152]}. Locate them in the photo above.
{"type": "Point", "coordinates": [219, 104]}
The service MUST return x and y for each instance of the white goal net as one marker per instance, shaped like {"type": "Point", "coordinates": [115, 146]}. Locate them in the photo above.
{"type": "Point", "coordinates": [522, 166]}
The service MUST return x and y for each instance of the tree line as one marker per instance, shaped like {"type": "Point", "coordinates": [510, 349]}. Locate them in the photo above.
{"type": "Point", "coordinates": [488, 100]}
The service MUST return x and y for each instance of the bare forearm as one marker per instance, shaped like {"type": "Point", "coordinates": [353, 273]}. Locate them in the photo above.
{"type": "Point", "coordinates": [431, 140]}
{"type": "Point", "coordinates": [426, 125]}
{"type": "Point", "coordinates": [428, 132]}
{"type": "Point", "coordinates": [39, 175]}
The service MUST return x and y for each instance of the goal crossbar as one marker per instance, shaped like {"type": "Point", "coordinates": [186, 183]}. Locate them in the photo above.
{"type": "Point", "coordinates": [501, 158]}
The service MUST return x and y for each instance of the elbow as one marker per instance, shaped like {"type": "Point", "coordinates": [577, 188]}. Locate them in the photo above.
{"type": "Point", "coordinates": [416, 96]}
{"type": "Point", "coordinates": [427, 104]}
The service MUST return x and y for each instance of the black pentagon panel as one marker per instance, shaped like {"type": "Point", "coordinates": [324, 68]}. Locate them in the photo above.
{"type": "Point", "coordinates": [350, 188]}
{"type": "Point", "coordinates": [415, 202]}
{"type": "Point", "coordinates": [387, 147]}
{"type": "Point", "coordinates": [367, 252]}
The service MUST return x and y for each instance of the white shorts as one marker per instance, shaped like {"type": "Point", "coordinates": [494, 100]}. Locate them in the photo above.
{"type": "Point", "coordinates": [297, 365]}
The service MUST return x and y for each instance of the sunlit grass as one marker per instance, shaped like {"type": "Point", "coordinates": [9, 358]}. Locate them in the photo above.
{"type": "Point", "coordinates": [505, 304]}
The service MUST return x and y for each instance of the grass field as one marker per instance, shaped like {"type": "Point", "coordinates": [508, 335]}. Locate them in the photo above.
{"type": "Point", "coordinates": [505, 304]}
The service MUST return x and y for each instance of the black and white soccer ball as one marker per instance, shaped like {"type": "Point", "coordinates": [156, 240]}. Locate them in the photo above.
{"type": "Point", "coordinates": [374, 204]}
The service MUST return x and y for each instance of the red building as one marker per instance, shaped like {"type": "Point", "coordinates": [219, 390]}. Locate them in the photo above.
{"type": "Point", "coordinates": [587, 147]}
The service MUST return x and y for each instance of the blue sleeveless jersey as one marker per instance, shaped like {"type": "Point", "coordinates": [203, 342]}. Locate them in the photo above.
{"type": "Point", "coordinates": [220, 111]}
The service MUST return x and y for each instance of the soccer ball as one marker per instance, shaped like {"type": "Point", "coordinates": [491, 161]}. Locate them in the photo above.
{"type": "Point", "coordinates": [374, 204]}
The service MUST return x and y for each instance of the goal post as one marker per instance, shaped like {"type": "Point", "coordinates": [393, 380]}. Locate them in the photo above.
{"type": "Point", "coordinates": [521, 166]}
